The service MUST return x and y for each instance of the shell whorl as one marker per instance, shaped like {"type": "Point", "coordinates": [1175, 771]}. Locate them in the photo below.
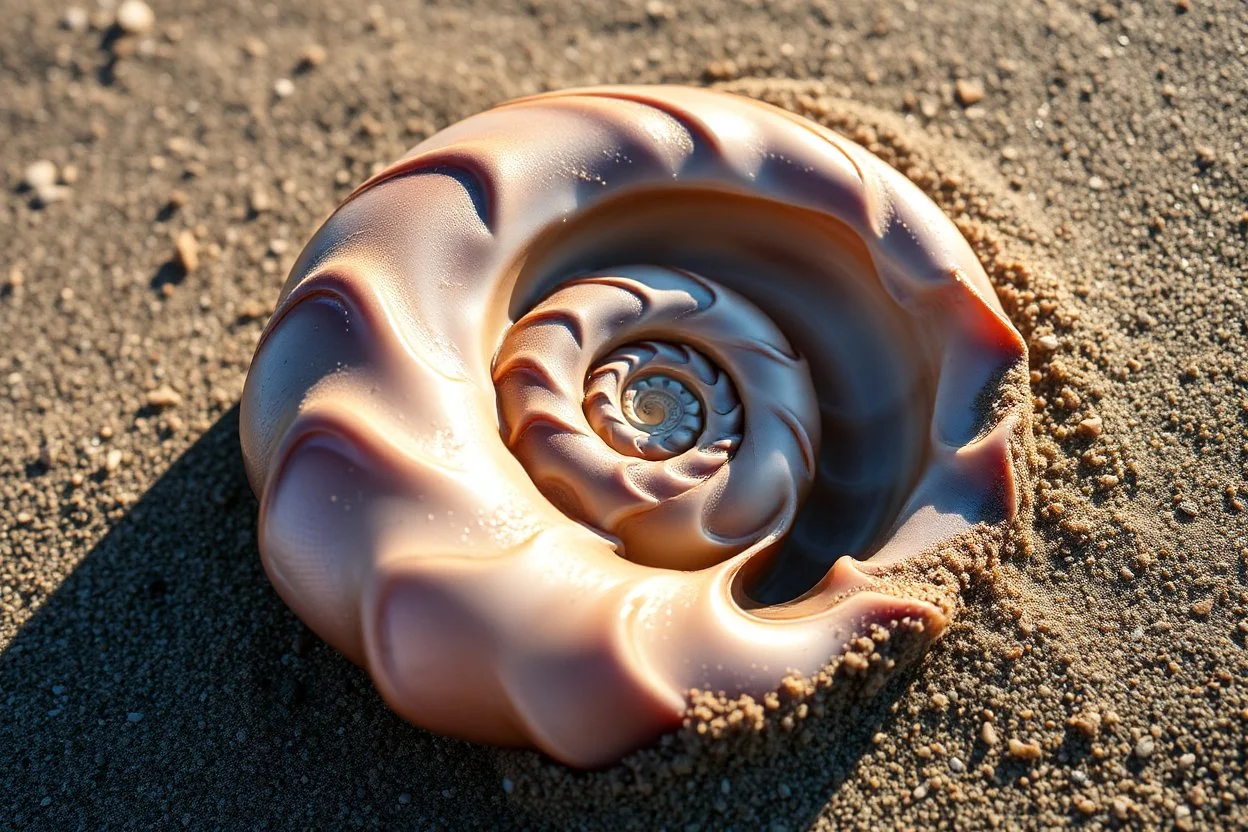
{"type": "Point", "coordinates": [664, 415]}
{"type": "Point", "coordinates": [656, 400]}
{"type": "Point", "coordinates": [642, 445]}
{"type": "Point", "coordinates": [601, 396]}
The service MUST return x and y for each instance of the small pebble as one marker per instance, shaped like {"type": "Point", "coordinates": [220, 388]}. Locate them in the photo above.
{"type": "Point", "coordinates": [1026, 751]}
{"type": "Point", "coordinates": [135, 716]}
{"type": "Point", "coordinates": [956, 765]}
{"type": "Point", "coordinates": [1188, 508]}
{"type": "Point", "coordinates": [39, 175]}
{"type": "Point", "coordinates": [258, 200]}
{"type": "Point", "coordinates": [283, 87]}
{"type": "Point", "coordinates": [508, 786]}
{"type": "Point", "coordinates": [313, 55]}
{"type": "Point", "coordinates": [75, 19]}
{"type": "Point", "coordinates": [186, 251]}
{"type": "Point", "coordinates": [1145, 747]}
{"type": "Point", "coordinates": [255, 48]}
{"type": "Point", "coordinates": [969, 91]}
{"type": "Point", "coordinates": [134, 17]}
{"type": "Point", "coordinates": [1048, 343]}
{"type": "Point", "coordinates": [163, 397]}
{"type": "Point", "coordinates": [251, 310]}
{"type": "Point", "coordinates": [1092, 426]}
{"type": "Point", "coordinates": [1087, 724]}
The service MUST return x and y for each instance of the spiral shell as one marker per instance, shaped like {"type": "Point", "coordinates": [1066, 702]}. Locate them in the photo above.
{"type": "Point", "coordinates": [602, 396]}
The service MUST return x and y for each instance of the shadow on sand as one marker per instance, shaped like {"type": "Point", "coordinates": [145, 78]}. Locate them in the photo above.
{"type": "Point", "coordinates": [165, 686]}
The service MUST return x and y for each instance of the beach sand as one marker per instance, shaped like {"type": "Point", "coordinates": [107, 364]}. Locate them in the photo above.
{"type": "Point", "coordinates": [1093, 153]}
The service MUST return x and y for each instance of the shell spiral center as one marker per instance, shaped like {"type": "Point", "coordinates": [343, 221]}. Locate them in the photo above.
{"type": "Point", "coordinates": [658, 405]}
{"type": "Point", "coordinates": [649, 400]}
{"type": "Point", "coordinates": [679, 375]}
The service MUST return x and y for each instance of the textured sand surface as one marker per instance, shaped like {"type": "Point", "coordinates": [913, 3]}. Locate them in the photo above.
{"type": "Point", "coordinates": [149, 676]}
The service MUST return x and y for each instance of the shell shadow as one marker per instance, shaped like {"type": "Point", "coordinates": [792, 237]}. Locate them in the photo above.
{"type": "Point", "coordinates": [165, 685]}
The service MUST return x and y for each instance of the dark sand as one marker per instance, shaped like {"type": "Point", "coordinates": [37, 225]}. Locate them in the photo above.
{"type": "Point", "coordinates": [150, 678]}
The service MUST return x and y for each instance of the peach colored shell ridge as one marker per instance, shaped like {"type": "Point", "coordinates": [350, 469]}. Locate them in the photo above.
{"type": "Point", "coordinates": [578, 406]}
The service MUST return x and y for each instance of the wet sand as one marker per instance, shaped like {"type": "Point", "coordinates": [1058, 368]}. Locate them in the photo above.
{"type": "Point", "coordinates": [149, 675]}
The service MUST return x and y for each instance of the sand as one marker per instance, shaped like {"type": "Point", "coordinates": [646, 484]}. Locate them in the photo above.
{"type": "Point", "coordinates": [149, 677]}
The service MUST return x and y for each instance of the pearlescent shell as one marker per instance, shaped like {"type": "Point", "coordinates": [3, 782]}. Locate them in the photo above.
{"type": "Point", "coordinates": [400, 526]}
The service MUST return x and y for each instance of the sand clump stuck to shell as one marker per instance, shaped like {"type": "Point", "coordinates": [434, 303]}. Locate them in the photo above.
{"type": "Point", "coordinates": [1113, 642]}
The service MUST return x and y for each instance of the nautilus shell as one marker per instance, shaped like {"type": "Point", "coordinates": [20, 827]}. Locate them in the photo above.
{"type": "Point", "coordinates": [606, 395]}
